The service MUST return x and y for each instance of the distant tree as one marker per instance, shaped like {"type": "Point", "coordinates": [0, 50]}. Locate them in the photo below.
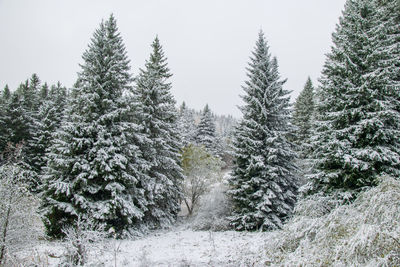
{"type": "Point", "coordinates": [186, 125]}
{"type": "Point", "coordinates": [44, 92]}
{"type": "Point", "coordinates": [16, 118]}
{"type": "Point", "coordinates": [92, 167]}
{"type": "Point", "coordinates": [201, 170]}
{"type": "Point", "coordinates": [6, 94]}
{"type": "Point", "coordinates": [47, 122]}
{"type": "Point", "coordinates": [156, 112]}
{"type": "Point", "coordinates": [303, 118]}
{"type": "Point", "coordinates": [4, 131]}
{"type": "Point", "coordinates": [206, 134]}
{"type": "Point", "coordinates": [264, 182]}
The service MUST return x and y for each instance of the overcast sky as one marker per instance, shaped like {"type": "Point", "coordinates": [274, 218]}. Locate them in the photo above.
{"type": "Point", "coordinates": [207, 42]}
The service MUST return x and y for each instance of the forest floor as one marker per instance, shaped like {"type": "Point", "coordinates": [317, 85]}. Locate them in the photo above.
{"type": "Point", "coordinates": [176, 247]}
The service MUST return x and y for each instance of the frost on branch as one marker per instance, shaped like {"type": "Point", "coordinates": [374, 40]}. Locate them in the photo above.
{"type": "Point", "coordinates": [364, 233]}
{"type": "Point", "coordinates": [19, 222]}
{"type": "Point", "coordinates": [80, 239]}
{"type": "Point", "coordinates": [214, 210]}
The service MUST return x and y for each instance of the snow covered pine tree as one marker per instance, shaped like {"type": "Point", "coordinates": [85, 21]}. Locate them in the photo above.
{"type": "Point", "coordinates": [92, 168]}
{"type": "Point", "coordinates": [263, 183]}
{"type": "Point", "coordinates": [206, 134]}
{"type": "Point", "coordinates": [47, 121]}
{"type": "Point", "coordinates": [358, 114]}
{"type": "Point", "coordinates": [186, 125]}
{"type": "Point", "coordinates": [156, 112]}
{"type": "Point", "coordinates": [303, 116]}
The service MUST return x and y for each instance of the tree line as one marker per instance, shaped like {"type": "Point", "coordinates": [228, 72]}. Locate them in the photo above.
{"type": "Point", "coordinates": [116, 149]}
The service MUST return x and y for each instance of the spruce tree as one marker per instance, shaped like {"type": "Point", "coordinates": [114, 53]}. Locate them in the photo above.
{"type": "Point", "coordinates": [4, 132]}
{"type": "Point", "coordinates": [303, 116]}
{"type": "Point", "coordinates": [93, 167]}
{"type": "Point", "coordinates": [155, 110]}
{"type": "Point", "coordinates": [205, 133]}
{"type": "Point", "coordinates": [358, 135]}
{"type": "Point", "coordinates": [6, 95]}
{"type": "Point", "coordinates": [48, 120]}
{"type": "Point", "coordinates": [16, 121]}
{"type": "Point", "coordinates": [186, 125]}
{"type": "Point", "coordinates": [263, 183]}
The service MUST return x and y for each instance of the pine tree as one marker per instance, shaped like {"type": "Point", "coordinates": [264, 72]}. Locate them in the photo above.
{"type": "Point", "coordinates": [92, 165]}
{"type": "Point", "coordinates": [29, 98]}
{"type": "Point", "coordinates": [155, 110]}
{"type": "Point", "coordinates": [16, 121]}
{"type": "Point", "coordinates": [186, 125]}
{"type": "Point", "coordinates": [263, 183]}
{"type": "Point", "coordinates": [205, 133]}
{"type": "Point", "coordinates": [358, 134]}
{"type": "Point", "coordinates": [6, 95]}
{"type": "Point", "coordinates": [44, 92]}
{"type": "Point", "coordinates": [4, 133]}
{"type": "Point", "coordinates": [47, 121]}
{"type": "Point", "coordinates": [303, 118]}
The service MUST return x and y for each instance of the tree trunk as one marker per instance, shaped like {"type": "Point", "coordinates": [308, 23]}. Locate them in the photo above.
{"type": "Point", "coordinates": [190, 208]}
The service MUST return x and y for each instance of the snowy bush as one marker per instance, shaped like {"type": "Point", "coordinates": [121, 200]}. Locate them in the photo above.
{"type": "Point", "coordinates": [80, 239]}
{"type": "Point", "coordinates": [322, 233]}
{"type": "Point", "coordinates": [214, 210]}
{"type": "Point", "coordinates": [20, 224]}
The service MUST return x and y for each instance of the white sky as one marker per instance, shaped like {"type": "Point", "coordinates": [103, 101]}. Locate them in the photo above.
{"type": "Point", "coordinates": [207, 42]}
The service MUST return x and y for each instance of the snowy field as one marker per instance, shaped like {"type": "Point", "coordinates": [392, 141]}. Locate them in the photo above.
{"type": "Point", "coordinates": [322, 233]}
{"type": "Point", "coordinates": [177, 247]}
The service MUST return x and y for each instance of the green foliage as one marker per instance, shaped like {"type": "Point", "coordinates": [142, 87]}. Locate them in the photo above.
{"type": "Point", "coordinates": [155, 111]}
{"type": "Point", "coordinates": [205, 132]}
{"type": "Point", "coordinates": [201, 170]}
{"type": "Point", "coordinates": [303, 118]}
{"type": "Point", "coordinates": [93, 168]}
{"type": "Point", "coordinates": [358, 115]}
{"type": "Point", "coordinates": [264, 182]}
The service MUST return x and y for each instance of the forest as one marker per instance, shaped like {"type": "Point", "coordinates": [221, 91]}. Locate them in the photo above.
{"type": "Point", "coordinates": [116, 160]}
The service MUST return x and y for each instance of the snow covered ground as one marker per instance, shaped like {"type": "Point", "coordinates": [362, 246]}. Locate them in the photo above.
{"type": "Point", "coordinates": [322, 232]}
{"type": "Point", "coordinates": [178, 247]}
{"type": "Point", "coordinates": [188, 248]}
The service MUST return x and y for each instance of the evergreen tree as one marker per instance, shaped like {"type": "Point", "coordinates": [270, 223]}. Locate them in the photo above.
{"type": "Point", "coordinates": [16, 121]}
{"type": "Point", "coordinates": [386, 35]}
{"type": "Point", "coordinates": [205, 132]}
{"type": "Point", "coordinates": [44, 92]}
{"type": "Point", "coordinates": [155, 110]}
{"type": "Point", "coordinates": [6, 95]}
{"type": "Point", "coordinates": [4, 132]}
{"type": "Point", "coordinates": [303, 118]}
{"type": "Point", "coordinates": [186, 125]}
{"type": "Point", "coordinates": [29, 92]}
{"type": "Point", "coordinates": [93, 167]}
{"type": "Point", "coordinates": [263, 183]}
{"type": "Point", "coordinates": [47, 121]}
{"type": "Point", "coordinates": [358, 116]}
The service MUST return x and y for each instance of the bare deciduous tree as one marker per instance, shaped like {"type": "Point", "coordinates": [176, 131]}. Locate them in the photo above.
{"type": "Point", "coordinates": [201, 170]}
{"type": "Point", "coordinates": [19, 221]}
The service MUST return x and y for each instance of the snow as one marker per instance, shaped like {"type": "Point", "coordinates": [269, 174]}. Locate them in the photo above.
{"type": "Point", "coordinates": [179, 247]}
{"type": "Point", "coordinates": [192, 248]}
{"type": "Point", "coordinates": [323, 231]}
